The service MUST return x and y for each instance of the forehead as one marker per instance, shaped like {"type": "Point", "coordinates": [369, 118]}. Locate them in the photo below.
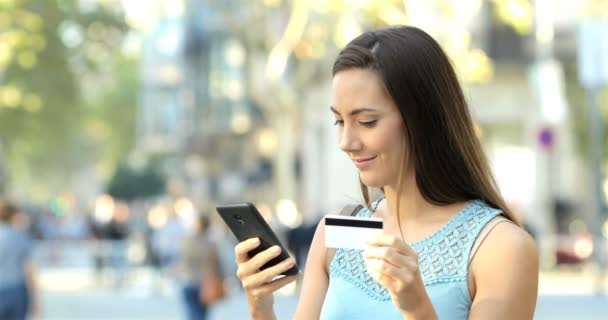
{"type": "Point", "coordinates": [358, 88]}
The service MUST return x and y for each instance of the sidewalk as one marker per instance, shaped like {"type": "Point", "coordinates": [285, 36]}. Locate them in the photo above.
{"type": "Point", "coordinates": [108, 305]}
{"type": "Point", "coordinates": [569, 282]}
{"type": "Point", "coordinates": [71, 294]}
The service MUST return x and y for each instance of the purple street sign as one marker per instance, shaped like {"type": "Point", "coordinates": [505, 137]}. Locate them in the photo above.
{"type": "Point", "coordinates": [546, 137]}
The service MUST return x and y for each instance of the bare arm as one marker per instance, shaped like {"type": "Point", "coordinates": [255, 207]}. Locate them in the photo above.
{"type": "Point", "coordinates": [505, 273]}
{"type": "Point", "coordinates": [316, 278]}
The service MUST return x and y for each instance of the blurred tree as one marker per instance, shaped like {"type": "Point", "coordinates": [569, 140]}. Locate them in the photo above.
{"type": "Point", "coordinates": [579, 107]}
{"type": "Point", "coordinates": [130, 184]}
{"type": "Point", "coordinates": [66, 93]}
{"type": "Point", "coordinates": [110, 119]}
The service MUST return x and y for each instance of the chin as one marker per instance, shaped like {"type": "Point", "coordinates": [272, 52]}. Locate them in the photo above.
{"type": "Point", "coordinates": [371, 180]}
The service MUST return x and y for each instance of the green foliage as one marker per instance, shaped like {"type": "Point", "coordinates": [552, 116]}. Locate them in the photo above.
{"type": "Point", "coordinates": [111, 118]}
{"type": "Point", "coordinates": [75, 94]}
{"type": "Point", "coordinates": [129, 184]}
{"type": "Point", "coordinates": [578, 101]}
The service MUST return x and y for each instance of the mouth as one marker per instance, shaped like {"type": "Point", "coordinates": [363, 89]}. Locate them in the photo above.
{"type": "Point", "coordinates": [363, 162]}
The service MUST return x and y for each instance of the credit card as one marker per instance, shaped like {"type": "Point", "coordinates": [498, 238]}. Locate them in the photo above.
{"type": "Point", "coordinates": [350, 232]}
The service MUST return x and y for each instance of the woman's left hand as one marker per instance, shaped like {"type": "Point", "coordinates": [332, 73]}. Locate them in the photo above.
{"type": "Point", "coordinates": [391, 262]}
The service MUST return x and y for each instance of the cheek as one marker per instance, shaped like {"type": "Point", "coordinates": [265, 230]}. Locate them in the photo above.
{"type": "Point", "coordinates": [391, 143]}
{"type": "Point", "coordinates": [392, 153]}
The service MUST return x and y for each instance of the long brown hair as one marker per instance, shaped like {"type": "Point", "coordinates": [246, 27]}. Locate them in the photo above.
{"type": "Point", "coordinates": [448, 159]}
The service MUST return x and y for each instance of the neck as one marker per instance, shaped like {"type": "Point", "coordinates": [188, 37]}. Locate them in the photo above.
{"type": "Point", "coordinates": [412, 204]}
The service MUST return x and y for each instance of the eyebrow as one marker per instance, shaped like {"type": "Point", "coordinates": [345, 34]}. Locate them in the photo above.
{"type": "Point", "coordinates": [353, 112]}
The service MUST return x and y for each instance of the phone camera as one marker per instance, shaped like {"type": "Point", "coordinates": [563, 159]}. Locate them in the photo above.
{"type": "Point", "coordinates": [239, 219]}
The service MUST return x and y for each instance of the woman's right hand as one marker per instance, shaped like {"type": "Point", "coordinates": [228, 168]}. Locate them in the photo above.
{"type": "Point", "coordinates": [259, 285]}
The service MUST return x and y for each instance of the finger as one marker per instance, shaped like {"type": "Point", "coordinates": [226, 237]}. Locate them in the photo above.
{"type": "Point", "coordinates": [275, 285]}
{"type": "Point", "coordinates": [264, 277]}
{"type": "Point", "coordinates": [253, 265]}
{"type": "Point", "coordinates": [280, 283]}
{"type": "Point", "coordinates": [260, 259]}
{"type": "Point", "coordinates": [268, 274]}
{"type": "Point", "coordinates": [388, 240]}
{"type": "Point", "coordinates": [387, 254]}
{"type": "Point", "coordinates": [387, 273]}
{"type": "Point", "coordinates": [241, 249]}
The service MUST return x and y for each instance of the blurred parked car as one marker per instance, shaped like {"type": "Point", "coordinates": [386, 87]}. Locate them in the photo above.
{"type": "Point", "coordinates": [574, 249]}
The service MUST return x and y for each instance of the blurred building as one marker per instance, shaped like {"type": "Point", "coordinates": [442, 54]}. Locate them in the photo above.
{"type": "Point", "coordinates": [194, 110]}
{"type": "Point", "coordinates": [160, 116]}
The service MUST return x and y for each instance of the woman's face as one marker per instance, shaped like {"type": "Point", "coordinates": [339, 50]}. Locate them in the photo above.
{"type": "Point", "coordinates": [370, 127]}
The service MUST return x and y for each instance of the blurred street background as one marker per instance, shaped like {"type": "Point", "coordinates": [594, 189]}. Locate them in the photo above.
{"type": "Point", "coordinates": [122, 121]}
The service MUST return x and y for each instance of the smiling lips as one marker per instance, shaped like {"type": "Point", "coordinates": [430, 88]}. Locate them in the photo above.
{"type": "Point", "coordinates": [363, 162]}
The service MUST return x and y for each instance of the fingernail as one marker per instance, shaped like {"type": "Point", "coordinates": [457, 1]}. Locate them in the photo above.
{"type": "Point", "coordinates": [276, 249]}
{"type": "Point", "coordinates": [254, 240]}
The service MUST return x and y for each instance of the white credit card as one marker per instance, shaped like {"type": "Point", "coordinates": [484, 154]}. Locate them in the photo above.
{"type": "Point", "coordinates": [350, 232]}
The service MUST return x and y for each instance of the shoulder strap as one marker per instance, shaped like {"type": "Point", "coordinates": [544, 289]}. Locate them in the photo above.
{"type": "Point", "coordinates": [348, 210]}
{"type": "Point", "coordinates": [484, 233]}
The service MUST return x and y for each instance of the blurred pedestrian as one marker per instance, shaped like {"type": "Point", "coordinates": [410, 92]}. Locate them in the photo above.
{"type": "Point", "coordinates": [200, 272]}
{"type": "Point", "coordinates": [18, 292]}
{"type": "Point", "coordinates": [166, 241]}
{"type": "Point", "coordinates": [450, 247]}
{"type": "Point", "coordinates": [117, 235]}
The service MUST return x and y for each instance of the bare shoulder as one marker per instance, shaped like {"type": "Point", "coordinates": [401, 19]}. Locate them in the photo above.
{"type": "Point", "coordinates": [509, 240]}
{"type": "Point", "coordinates": [318, 243]}
{"type": "Point", "coordinates": [505, 272]}
{"type": "Point", "coordinates": [320, 231]}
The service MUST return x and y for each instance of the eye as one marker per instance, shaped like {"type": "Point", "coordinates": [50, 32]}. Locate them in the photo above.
{"type": "Point", "coordinates": [339, 122]}
{"type": "Point", "coordinates": [369, 123]}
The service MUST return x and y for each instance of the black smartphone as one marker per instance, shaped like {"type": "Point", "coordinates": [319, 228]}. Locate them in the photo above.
{"type": "Point", "coordinates": [245, 222]}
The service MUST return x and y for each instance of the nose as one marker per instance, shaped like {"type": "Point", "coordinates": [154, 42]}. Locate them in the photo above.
{"type": "Point", "coordinates": [348, 139]}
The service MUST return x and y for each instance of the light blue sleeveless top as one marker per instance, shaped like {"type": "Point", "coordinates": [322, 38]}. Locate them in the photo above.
{"type": "Point", "coordinates": [443, 261]}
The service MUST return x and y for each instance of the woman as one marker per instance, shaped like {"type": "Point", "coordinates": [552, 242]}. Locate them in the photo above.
{"type": "Point", "coordinates": [450, 248]}
{"type": "Point", "coordinates": [17, 286]}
